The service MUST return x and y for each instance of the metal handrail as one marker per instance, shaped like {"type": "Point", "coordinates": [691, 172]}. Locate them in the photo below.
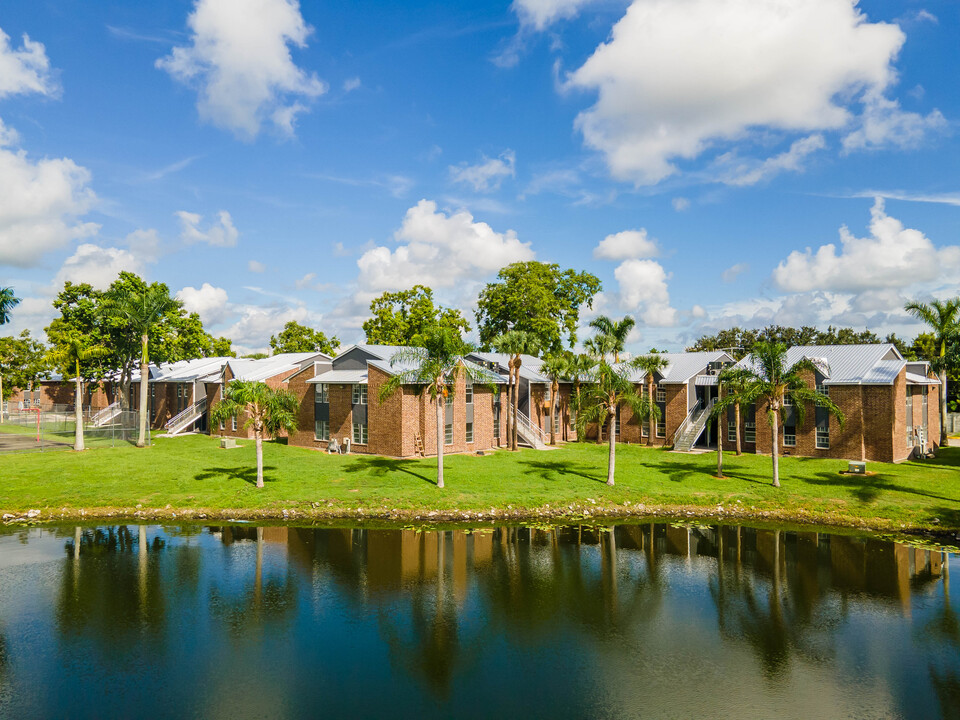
{"type": "Point", "coordinates": [697, 412]}
{"type": "Point", "coordinates": [107, 413]}
{"type": "Point", "coordinates": [524, 422]}
{"type": "Point", "coordinates": [196, 409]}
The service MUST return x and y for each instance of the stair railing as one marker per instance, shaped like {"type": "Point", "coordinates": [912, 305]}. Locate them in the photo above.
{"type": "Point", "coordinates": [187, 415]}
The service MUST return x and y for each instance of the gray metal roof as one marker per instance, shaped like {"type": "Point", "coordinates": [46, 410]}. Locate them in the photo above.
{"type": "Point", "coordinates": [877, 364]}
{"type": "Point", "coordinates": [682, 366]}
{"type": "Point", "coordinates": [256, 370]}
{"type": "Point", "coordinates": [341, 377]}
{"type": "Point", "coordinates": [914, 379]}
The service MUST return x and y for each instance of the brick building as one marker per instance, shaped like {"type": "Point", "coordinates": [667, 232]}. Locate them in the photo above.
{"type": "Point", "coordinates": [891, 407]}
{"type": "Point", "coordinates": [340, 401]}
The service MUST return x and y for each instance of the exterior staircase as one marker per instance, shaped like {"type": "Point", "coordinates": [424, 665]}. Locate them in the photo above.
{"type": "Point", "coordinates": [104, 416]}
{"type": "Point", "coordinates": [184, 420]}
{"type": "Point", "coordinates": [530, 433]}
{"type": "Point", "coordinates": [692, 427]}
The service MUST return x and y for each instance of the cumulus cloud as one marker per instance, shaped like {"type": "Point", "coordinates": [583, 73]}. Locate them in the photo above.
{"type": "Point", "coordinates": [485, 176]}
{"type": "Point", "coordinates": [221, 233]}
{"type": "Point", "coordinates": [626, 244]}
{"type": "Point", "coordinates": [239, 62]}
{"type": "Point", "coordinates": [884, 124]}
{"type": "Point", "coordinates": [97, 265]}
{"type": "Point", "coordinates": [252, 331]}
{"type": "Point", "coordinates": [680, 204]}
{"type": "Point", "coordinates": [734, 170]}
{"type": "Point", "coordinates": [25, 70]}
{"type": "Point", "coordinates": [40, 203]}
{"type": "Point", "coordinates": [891, 257]}
{"type": "Point", "coordinates": [643, 292]}
{"type": "Point", "coordinates": [351, 84]}
{"type": "Point", "coordinates": [207, 301]}
{"type": "Point", "coordinates": [540, 14]}
{"type": "Point", "coordinates": [679, 76]}
{"type": "Point", "coordinates": [734, 271]}
{"type": "Point", "coordinates": [439, 250]}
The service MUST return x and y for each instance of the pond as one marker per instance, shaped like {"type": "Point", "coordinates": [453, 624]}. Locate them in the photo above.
{"type": "Point", "coordinates": [642, 620]}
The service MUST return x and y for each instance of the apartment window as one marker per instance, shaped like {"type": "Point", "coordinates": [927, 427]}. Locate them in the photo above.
{"type": "Point", "coordinates": [233, 423]}
{"type": "Point", "coordinates": [321, 430]}
{"type": "Point", "coordinates": [788, 401]}
{"type": "Point", "coordinates": [546, 393]}
{"type": "Point", "coordinates": [496, 427]}
{"type": "Point", "coordinates": [731, 431]}
{"type": "Point", "coordinates": [823, 437]}
{"type": "Point", "coordinates": [468, 394]}
{"type": "Point", "coordinates": [469, 432]}
{"type": "Point", "coordinates": [789, 435]}
{"type": "Point", "coordinates": [661, 427]}
{"type": "Point", "coordinates": [449, 399]}
{"type": "Point", "coordinates": [750, 432]}
{"type": "Point", "coordinates": [222, 426]}
{"type": "Point", "coordinates": [359, 433]}
{"type": "Point", "coordinates": [661, 394]}
{"type": "Point", "coordinates": [823, 389]}
{"type": "Point", "coordinates": [359, 394]}
{"type": "Point", "coordinates": [448, 434]}
{"type": "Point", "coordinates": [321, 392]}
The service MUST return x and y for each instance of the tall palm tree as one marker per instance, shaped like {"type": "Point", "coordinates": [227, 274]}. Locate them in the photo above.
{"type": "Point", "coordinates": [943, 317]}
{"type": "Point", "coordinates": [143, 310]}
{"type": "Point", "coordinates": [611, 387]}
{"type": "Point", "coordinates": [433, 368]}
{"type": "Point", "coordinates": [7, 302]}
{"type": "Point", "coordinates": [516, 343]}
{"type": "Point", "coordinates": [269, 411]}
{"type": "Point", "coordinates": [769, 381]}
{"type": "Point", "coordinates": [557, 368]}
{"type": "Point", "coordinates": [581, 368]}
{"type": "Point", "coordinates": [651, 364]}
{"type": "Point", "coordinates": [734, 383]}
{"type": "Point", "coordinates": [616, 331]}
{"type": "Point", "coordinates": [72, 351]}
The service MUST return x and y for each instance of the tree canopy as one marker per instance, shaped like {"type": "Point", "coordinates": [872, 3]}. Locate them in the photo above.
{"type": "Point", "coordinates": [22, 361]}
{"type": "Point", "coordinates": [399, 317]}
{"type": "Point", "coordinates": [739, 341]}
{"type": "Point", "coordinates": [537, 298]}
{"type": "Point", "coordinates": [297, 338]}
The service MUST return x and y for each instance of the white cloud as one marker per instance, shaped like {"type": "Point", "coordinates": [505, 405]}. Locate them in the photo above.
{"type": "Point", "coordinates": [439, 250]}
{"type": "Point", "coordinates": [626, 244]}
{"type": "Point", "coordinates": [97, 265]}
{"type": "Point", "coordinates": [39, 203]}
{"type": "Point", "coordinates": [145, 245]}
{"type": "Point", "coordinates": [680, 204]}
{"type": "Point", "coordinates": [644, 292]}
{"type": "Point", "coordinates": [252, 331]}
{"type": "Point", "coordinates": [885, 124]}
{"type": "Point", "coordinates": [487, 175]}
{"type": "Point", "coordinates": [207, 301]}
{"type": "Point", "coordinates": [743, 171]}
{"type": "Point", "coordinates": [734, 271]}
{"type": "Point", "coordinates": [891, 257]}
{"type": "Point", "coordinates": [26, 70]}
{"type": "Point", "coordinates": [539, 14]}
{"type": "Point", "coordinates": [239, 61]}
{"type": "Point", "coordinates": [351, 84]}
{"type": "Point", "coordinates": [679, 76]}
{"type": "Point", "coordinates": [221, 233]}
{"type": "Point", "coordinates": [697, 311]}
{"type": "Point", "coordinates": [256, 266]}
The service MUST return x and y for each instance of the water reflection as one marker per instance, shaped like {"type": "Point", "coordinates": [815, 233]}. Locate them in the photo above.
{"type": "Point", "coordinates": [580, 619]}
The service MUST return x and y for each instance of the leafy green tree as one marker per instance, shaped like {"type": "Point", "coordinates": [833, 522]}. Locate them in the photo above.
{"type": "Point", "coordinates": [943, 318]}
{"type": "Point", "coordinates": [186, 339]}
{"type": "Point", "coordinates": [557, 368]}
{"type": "Point", "coordinates": [8, 301]}
{"type": "Point", "coordinates": [433, 366]}
{"type": "Point", "coordinates": [67, 357]}
{"type": "Point", "coordinates": [400, 317]}
{"type": "Point", "coordinates": [515, 343]}
{"type": "Point", "coordinates": [268, 410]}
{"type": "Point", "coordinates": [739, 342]}
{"type": "Point", "coordinates": [611, 388]}
{"type": "Point", "coordinates": [651, 364]}
{"type": "Point", "coordinates": [297, 338]}
{"type": "Point", "coordinates": [221, 347]}
{"type": "Point", "coordinates": [613, 332]}
{"type": "Point", "coordinates": [22, 362]}
{"type": "Point", "coordinates": [143, 312]}
{"type": "Point", "coordinates": [255, 356]}
{"type": "Point", "coordinates": [537, 298]}
{"type": "Point", "coordinates": [769, 380]}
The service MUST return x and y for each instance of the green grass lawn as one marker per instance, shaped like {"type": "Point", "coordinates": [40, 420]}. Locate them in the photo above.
{"type": "Point", "coordinates": [193, 473]}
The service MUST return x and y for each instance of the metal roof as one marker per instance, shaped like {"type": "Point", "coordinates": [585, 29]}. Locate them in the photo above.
{"type": "Point", "coordinates": [877, 364]}
{"type": "Point", "coordinates": [393, 369]}
{"type": "Point", "coordinates": [914, 379]}
{"type": "Point", "coordinates": [340, 377]}
{"type": "Point", "coordinates": [682, 366]}
{"type": "Point", "coordinates": [256, 370]}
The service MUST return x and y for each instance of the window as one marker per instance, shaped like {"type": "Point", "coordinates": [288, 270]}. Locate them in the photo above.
{"type": "Point", "coordinates": [789, 435]}
{"type": "Point", "coordinates": [321, 392]}
{"type": "Point", "coordinates": [788, 401]}
{"type": "Point", "coordinates": [469, 394]}
{"type": "Point", "coordinates": [496, 427]}
{"type": "Point", "coordinates": [233, 423]}
{"type": "Point", "coordinates": [359, 394]}
{"type": "Point", "coordinates": [448, 434]}
{"type": "Point", "coordinates": [222, 426]}
{"type": "Point", "coordinates": [546, 393]}
{"type": "Point", "coordinates": [750, 432]}
{"type": "Point", "coordinates": [661, 394]}
{"type": "Point", "coordinates": [823, 389]}
{"type": "Point", "coordinates": [321, 430]}
{"type": "Point", "coordinates": [731, 431]}
{"type": "Point", "coordinates": [359, 433]}
{"type": "Point", "coordinates": [469, 432]}
{"type": "Point", "coordinates": [823, 437]}
{"type": "Point", "coordinates": [449, 399]}
{"type": "Point", "coordinates": [661, 427]}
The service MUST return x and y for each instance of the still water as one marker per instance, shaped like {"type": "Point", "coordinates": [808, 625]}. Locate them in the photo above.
{"type": "Point", "coordinates": [648, 620]}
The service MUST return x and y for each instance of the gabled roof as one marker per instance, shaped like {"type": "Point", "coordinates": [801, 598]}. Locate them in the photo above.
{"type": "Point", "coordinates": [381, 352]}
{"type": "Point", "coordinates": [256, 370]}
{"type": "Point", "coordinates": [393, 369]}
{"type": "Point", "coordinates": [340, 377]}
{"type": "Point", "coordinates": [877, 364]}
{"type": "Point", "coordinates": [188, 370]}
{"type": "Point", "coordinates": [681, 367]}
{"type": "Point", "coordinates": [529, 365]}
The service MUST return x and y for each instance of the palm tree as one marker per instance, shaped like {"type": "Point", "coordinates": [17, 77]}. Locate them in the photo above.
{"type": "Point", "coordinates": [581, 366]}
{"type": "Point", "coordinates": [143, 310]}
{"type": "Point", "coordinates": [7, 303]}
{"type": "Point", "coordinates": [611, 387]}
{"type": "Point", "coordinates": [943, 317]}
{"type": "Point", "coordinates": [650, 364]}
{"type": "Point", "coordinates": [734, 383]}
{"type": "Point", "coordinates": [515, 343]}
{"type": "Point", "coordinates": [71, 352]}
{"type": "Point", "coordinates": [614, 331]}
{"type": "Point", "coordinates": [434, 368]}
{"type": "Point", "coordinates": [769, 382]}
{"type": "Point", "coordinates": [557, 368]}
{"type": "Point", "coordinates": [268, 410]}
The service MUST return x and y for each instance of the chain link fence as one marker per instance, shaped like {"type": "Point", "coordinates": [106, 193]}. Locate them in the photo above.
{"type": "Point", "coordinates": [53, 427]}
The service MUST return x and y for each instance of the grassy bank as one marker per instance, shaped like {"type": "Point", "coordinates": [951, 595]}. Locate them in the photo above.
{"type": "Point", "coordinates": [191, 477]}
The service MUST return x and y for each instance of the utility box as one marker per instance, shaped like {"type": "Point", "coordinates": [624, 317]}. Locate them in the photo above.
{"type": "Point", "coordinates": [227, 443]}
{"type": "Point", "coordinates": [857, 468]}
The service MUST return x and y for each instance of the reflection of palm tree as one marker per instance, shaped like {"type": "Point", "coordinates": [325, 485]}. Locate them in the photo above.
{"type": "Point", "coordinates": [944, 631]}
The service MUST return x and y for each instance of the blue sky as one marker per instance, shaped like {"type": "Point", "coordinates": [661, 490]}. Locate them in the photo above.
{"type": "Point", "coordinates": [714, 162]}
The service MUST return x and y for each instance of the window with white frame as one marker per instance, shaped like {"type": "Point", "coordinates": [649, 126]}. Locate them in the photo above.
{"type": "Point", "coordinates": [359, 434]}
{"type": "Point", "coordinates": [233, 423]}
{"type": "Point", "coordinates": [222, 426]}
{"type": "Point", "coordinates": [546, 393]}
{"type": "Point", "coordinates": [789, 435]}
{"type": "Point", "coordinates": [321, 393]}
{"type": "Point", "coordinates": [823, 389]}
{"type": "Point", "coordinates": [661, 426]}
{"type": "Point", "coordinates": [469, 432]}
{"type": "Point", "coordinates": [750, 432]}
{"type": "Point", "coordinates": [321, 430]}
{"type": "Point", "coordinates": [661, 394]}
{"type": "Point", "coordinates": [449, 398]}
{"type": "Point", "coordinates": [468, 395]}
{"type": "Point", "coordinates": [823, 437]}
{"type": "Point", "coordinates": [731, 431]}
{"type": "Point", "coordinates": [359, 394]}
{"type": "Point", "coordinates": [448, 434]}
{"type": "Point", "coordinates": [788, 400]}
